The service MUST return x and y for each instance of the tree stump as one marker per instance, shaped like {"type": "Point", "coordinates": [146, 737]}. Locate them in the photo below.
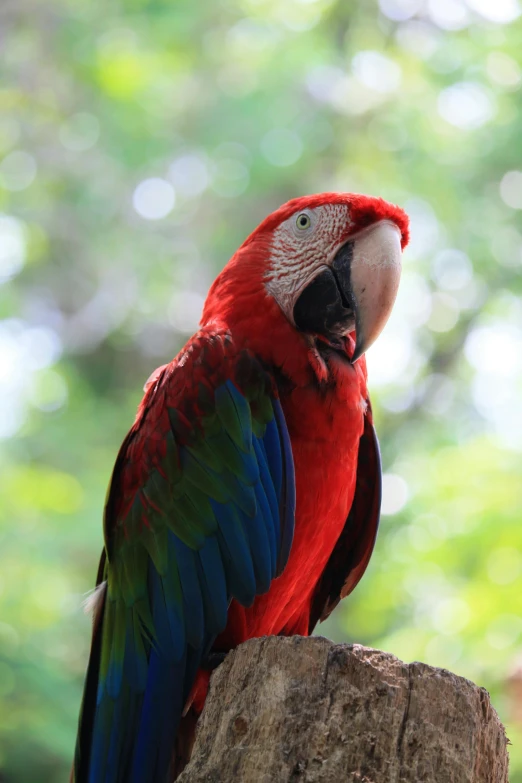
{"type": "Point", "coordinates": [305, 709]}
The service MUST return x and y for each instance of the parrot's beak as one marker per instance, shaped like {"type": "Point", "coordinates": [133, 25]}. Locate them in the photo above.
{"type": "Point", "coordinates": [355, 291]}
{"type": "Point", "coordinates": [375, 272]}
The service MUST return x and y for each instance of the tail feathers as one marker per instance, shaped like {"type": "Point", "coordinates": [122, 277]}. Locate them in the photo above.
{"type": "Point", "coordinates": [128, 723]}
{"type": "Point", "coordinates": [162, 702]}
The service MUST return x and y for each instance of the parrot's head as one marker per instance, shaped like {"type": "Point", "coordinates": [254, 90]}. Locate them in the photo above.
{"type": "Point", "coordinates": [326, 267]}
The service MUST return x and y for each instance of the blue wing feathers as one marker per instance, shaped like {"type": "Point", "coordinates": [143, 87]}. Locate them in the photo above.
{"type": "Point", "coordinates": [140, 634]}
{"type": "Point", "coordinates": [287, 496]}
{"type": "Point", "coordinates": [104, 721]}
{"type": "Point", "coordinates": [191, 592]}
{"type": "Point", "coordinates": [211, 574]}
{"type": "Point", "coordinates": [120, 710]}
{"type": "Point", "coordinates": [236, 553]}
{"type": "Point", "coordinates": [135, 663]}
{"type": "Point", "coordinates": [266, 515]}
{"type": "Point", "coordinates": [268, 486]}
{"type": "Point", "coordinates": [162, 702]}
{"type": "Point", "coordinates": [260, 548]}
{"type": "Point", "coordinates": [166, 641]}
{"type": "Point", "coordinates": [174, 606]}
{"type": "Point", "coordinates": [243, 496]}
{"type": "Point", "coordinates": [129, 739]}
{"type": "Point", "coordinates": [274, 452]}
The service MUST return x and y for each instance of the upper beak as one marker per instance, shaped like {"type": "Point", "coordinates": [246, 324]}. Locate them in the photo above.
{"type": "Point", "coordinates": [375, 272]}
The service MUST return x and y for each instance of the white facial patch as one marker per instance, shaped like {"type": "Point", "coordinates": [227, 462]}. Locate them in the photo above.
{"type": "Point", "coordinates": [297, 253]}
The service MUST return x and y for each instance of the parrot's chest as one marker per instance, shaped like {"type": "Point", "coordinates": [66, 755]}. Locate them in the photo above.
{"type": "Point", "coordinates": [326, 470]}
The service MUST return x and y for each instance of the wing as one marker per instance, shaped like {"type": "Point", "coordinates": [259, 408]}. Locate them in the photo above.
{"type": "Point", "coordinates": [353, 550]}
{"type": "Point", "coordinates": [200, 511]}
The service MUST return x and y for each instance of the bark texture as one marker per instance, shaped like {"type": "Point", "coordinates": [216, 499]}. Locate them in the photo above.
{"type": "Point", "coordinates": [305, 709]}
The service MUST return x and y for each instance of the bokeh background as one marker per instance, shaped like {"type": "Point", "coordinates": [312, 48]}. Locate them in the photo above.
{"type": "Point", "coordinates": [140, 142]}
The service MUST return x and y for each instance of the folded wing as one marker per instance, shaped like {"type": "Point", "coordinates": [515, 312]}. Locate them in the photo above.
{"type": "Point", "coordinates": [200, 511]}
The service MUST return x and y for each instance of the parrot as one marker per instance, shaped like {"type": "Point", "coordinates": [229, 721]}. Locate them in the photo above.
{"type": "Point", "coordinates": [245, 499]}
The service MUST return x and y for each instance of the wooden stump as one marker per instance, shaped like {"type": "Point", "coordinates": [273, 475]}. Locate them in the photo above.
{"type": "Point", "coordinates": [305, 709]}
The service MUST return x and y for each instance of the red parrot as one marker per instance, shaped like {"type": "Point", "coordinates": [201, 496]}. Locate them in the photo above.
{"type": "Point", "coordinates": [245, 498]}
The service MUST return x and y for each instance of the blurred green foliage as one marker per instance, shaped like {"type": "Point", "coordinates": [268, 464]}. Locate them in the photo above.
{"type": "Point", "coordinates": [140, 142]}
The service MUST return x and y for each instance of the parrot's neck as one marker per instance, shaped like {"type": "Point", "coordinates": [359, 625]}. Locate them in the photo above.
{"type": "Point", "coordinates": [239, 302]}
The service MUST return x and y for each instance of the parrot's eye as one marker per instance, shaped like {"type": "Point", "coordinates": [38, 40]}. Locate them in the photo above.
{"type": "Point", "coordinates": [303, 221]}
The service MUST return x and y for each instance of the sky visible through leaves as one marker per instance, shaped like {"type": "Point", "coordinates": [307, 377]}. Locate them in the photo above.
{"type": "Point", "coordinates": [140, 142]}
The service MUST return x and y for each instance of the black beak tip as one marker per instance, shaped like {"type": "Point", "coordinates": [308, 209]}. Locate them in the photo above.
{"type": "Point", "coordinates": [358, 352]}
